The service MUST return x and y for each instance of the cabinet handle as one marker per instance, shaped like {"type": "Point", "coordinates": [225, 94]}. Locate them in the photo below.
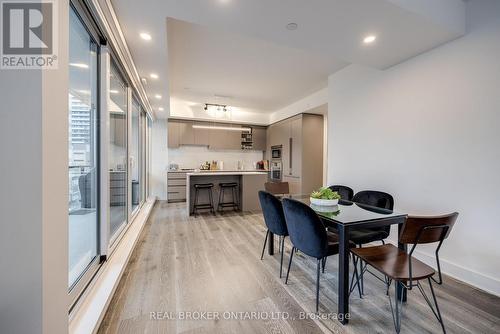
{"type": "Point", "coordinates": [290, 155]}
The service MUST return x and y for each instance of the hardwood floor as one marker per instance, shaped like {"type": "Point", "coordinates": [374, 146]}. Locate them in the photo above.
{"type": "Point", "coordinates": [212, 264]}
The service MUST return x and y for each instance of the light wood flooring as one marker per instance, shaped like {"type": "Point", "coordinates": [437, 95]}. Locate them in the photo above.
{"type": "Point", "coordinates": [212, 264]}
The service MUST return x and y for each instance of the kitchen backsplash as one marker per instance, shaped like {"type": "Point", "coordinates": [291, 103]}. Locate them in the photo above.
{"type": "Point", "coordinates": [194, 156]}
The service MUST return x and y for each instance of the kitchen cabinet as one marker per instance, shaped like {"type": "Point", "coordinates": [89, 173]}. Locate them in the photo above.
{"type": "Point", "coordinates": [173, 134]}
{"type": "Point", "coordinates": [186, 133]}
{"type": "Point", "coordinates": [301, 138]}
{"type": "Point", "coordinates": [225, 139]}
{"type": "Point", "coordinates": [295, 148]}
{"type": "Point", "coordinates": [201, 136]}
{"type": "Point", "coordinates": [181, 132]}
{"type": "Point", "coordinates": [259, 138]}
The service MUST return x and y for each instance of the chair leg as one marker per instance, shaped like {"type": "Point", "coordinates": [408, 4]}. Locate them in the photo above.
{"type": "Point", "coordinates": [317, 284]}
{"type": "Point", "coordinates": [361, 274]}
{"type": "Point", "coordinates": [264, 247]}
{"type": "Point", "coordinates": [353, 285]}
{"type": "Point", "coordinates": [396, 311]}
{"type": "Point", "coordinates": [212, 210]}
{"type": "Point", "coordinates": [435, 310]}
{"type": "Point", "coordinates": [289, 265]}
{"type": "Point", "coordinates": [282, 251]}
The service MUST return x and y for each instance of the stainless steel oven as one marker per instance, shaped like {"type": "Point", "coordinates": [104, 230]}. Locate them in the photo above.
{"type": "Point", "coordinates": [276, 170]}
{"type": "Point", "coordinates": [276, 152]}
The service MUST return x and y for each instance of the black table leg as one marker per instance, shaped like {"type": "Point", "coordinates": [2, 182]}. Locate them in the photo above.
{"type": "Point", "coordinates": [270, 243]}
{"type": "Point", "coordinates": [343, 303]}
{"type": "Point", "coordinates": [403, 247]}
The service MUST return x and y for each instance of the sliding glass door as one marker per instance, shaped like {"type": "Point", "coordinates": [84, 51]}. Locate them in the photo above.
{"type": "Point", "coordinates": [136, 155]}
{"type": "Point", "coordinates": [82, 151]}
{"type": "Point", "coordinates": [117, 154]}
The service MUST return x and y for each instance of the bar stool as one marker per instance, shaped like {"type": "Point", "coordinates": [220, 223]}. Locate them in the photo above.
{"type": "Point", "coordinates": [233, 187]}
{"type": "Point", "coordinates": [203, 186]}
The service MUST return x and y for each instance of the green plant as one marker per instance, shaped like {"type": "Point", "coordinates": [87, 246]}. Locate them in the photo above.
{"type": "Point", "coordinates": [325, 193]}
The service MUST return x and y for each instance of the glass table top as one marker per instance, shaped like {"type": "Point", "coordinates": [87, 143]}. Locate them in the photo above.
{"type": "Point", "coordinates": [348, 212]}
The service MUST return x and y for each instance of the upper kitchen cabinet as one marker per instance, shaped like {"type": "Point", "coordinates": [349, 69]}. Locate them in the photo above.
{"type": "Point", "coordinates": [173, 134]}
{"type": "Point", "coordinates": [259, 138]}
{"type": "Point", "coordinates": [201, 135]}
{"type": "Point", "coordinates": [186, 133]}
{"type": "Point", "coordinates": [216, 136]}
{"type": "Point", "coordinates": [225, 139]}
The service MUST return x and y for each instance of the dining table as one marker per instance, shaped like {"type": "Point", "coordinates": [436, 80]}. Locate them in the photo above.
{"type": "Point", "coordinates": [342, 219]}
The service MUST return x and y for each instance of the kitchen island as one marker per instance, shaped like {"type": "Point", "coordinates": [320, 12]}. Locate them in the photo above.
{"type": "Point", "coordinates": [250, 182]}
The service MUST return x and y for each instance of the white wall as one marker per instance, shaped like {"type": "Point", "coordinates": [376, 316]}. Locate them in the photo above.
{"type": "Point", "coordinates": [427, 131]}
{"type": "Point", "coordinates": [159, 159]}
{"type": "Point", "coordinates": [194, 156]}
{"type": "Point", "coordinates": [34, 195]}
{"type": "Point", "coordinates": [309, 102]}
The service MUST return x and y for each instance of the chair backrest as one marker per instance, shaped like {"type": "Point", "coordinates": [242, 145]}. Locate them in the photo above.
{"type": "Point", "coordinates": [307, 232]}
{"type": "Point", "coordinates": [272, 209]}
{"type": "Point", "coordinates": [345, 192]}
{"type": "Point", "coordinates": [375, 198]}
{"type": "Point", "coordinates": [277, 188]}
{"type": "Point", "coordinates": [424, 230]}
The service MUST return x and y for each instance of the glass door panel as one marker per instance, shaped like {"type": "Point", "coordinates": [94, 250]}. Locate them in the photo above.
{"type": "Point", "coordinates": [135, 155]}
{"type": "Point", "coordinates": [82, 150]}
{"type": "Point", "coordinates": [118, 166]}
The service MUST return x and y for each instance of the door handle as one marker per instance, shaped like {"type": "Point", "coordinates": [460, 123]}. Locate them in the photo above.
{"type": "Point", "coordinates": [290, 156]}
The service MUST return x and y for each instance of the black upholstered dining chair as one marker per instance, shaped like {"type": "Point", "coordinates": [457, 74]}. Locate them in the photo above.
{"type": "Point", "coordinates": [345, 192]}
{"type": "Point", "coordinates": [274, 218]}
{"type": "Point", "coordinates": [406, 271]}
{"type": "Point", "coordinates": [308, 234]}
{"type": "Point", "coordinates": [360, 237]}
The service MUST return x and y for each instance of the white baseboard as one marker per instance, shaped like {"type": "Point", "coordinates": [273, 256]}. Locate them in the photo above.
{"type": "Point", "coordinates": [471, 277]}
{"type": "Point", "coordinates": [478, 280]}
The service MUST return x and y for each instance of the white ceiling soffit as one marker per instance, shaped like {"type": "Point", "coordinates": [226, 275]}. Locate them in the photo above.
{"type": "Point", "coordinates": [332, 28]}
{"type": "Point", "coordinates": [244, 72]}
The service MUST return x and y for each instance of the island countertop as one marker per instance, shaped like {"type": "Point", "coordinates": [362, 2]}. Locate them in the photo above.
{"type": "Point", "coordinates": [227, 172]}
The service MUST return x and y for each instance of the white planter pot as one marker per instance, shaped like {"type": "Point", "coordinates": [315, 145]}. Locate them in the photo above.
{"type": "Point", "coordinates": [324, 202]}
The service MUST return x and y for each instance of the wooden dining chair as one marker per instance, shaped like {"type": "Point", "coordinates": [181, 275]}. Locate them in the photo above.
{"type": "Point", "coordinates": [274, 218]}
{"type": "Point", "coordinates": [277, 188]}
{"type": "Point", "coordinates": [308, 234]}
{"type": "Point", "coordinates": [401, 267]}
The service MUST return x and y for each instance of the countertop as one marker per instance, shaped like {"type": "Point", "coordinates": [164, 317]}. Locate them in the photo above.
{"type": "Point", "coordinates": [228, 172]}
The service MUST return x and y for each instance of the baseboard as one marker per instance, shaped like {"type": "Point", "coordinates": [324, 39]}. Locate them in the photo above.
{"type": "Point", "coordinates": [478, 280]}
{"type": "Point", "coordinates": [486, 283]}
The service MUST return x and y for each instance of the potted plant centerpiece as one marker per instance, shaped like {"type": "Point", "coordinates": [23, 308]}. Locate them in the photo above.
{"type": "Point", "coordinates": [324, 197]}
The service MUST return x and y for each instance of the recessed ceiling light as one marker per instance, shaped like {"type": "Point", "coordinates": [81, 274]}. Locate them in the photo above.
{"type": "Point", "coordinates": [292, 26]}
{"type": "Point", "coordinates": [114, 91]}
{"type": "Point", "coordinates": [145, 36]}
{"type": "Point", "coordinates": [158, 96]}
{"type": "Point", "coordinates": [153, 76]}
{"type": "Point", "coordinates": [79, 65]}
{"type": "Point", "coordinates": [369, 39]}
{"type": "Point", "coordinates": [160, 109]}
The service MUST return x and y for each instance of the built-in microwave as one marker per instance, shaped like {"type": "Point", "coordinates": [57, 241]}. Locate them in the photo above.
{"type": "Point", "coordinates": [276, 152]}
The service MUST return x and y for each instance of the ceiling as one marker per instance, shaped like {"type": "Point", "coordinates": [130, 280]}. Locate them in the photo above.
{"type": "Point", "coordinates": [241, 48]}
{"type": "Point", "coordinates": [211, 65]}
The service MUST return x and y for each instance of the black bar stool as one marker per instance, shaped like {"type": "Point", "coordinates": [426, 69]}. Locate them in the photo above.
{"type": "Point", "coordinates": [203, 186]}
{"type": "Point", "coordinates": [233, 187]}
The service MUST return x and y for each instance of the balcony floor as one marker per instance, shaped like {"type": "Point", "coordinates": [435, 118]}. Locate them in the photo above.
{"type": "Point", "coordinates": [209, 263]}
